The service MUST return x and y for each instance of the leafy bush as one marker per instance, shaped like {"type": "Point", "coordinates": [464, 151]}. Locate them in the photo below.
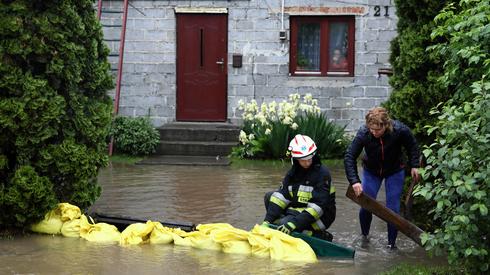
{"type": "Point", "coordinates": [459, 161]}
{"type": "Point", "coordinates": [267, 132]}
{"type": "Point", "coordinates": [54, 111]}
{"type": "Point", "coordinates": [458, 175]}
{"type": "Point", "coordinates": [135, 136]}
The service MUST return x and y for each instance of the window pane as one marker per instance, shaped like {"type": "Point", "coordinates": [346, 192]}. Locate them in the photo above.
{"type": "Point", "coordinates": [338, 47]}
{"type": "Point", "coordinates": [309, 47]}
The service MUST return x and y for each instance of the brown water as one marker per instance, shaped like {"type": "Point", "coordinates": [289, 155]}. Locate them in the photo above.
{"type": "Point", "coordinates": [200, 195]}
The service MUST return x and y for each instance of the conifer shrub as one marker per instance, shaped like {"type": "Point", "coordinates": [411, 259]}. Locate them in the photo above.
{"type": "Point", "coordinates": [55, 114]}
{"type": "Point", "coordinates": [415, 70]}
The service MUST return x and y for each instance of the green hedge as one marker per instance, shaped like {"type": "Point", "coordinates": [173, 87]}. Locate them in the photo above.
{"type": "Point", "coordinates": [55, 114]}
{"type": "Point", "coordinates": [415, 79]}
{"type": "Point", "coordinates": [134, 136]}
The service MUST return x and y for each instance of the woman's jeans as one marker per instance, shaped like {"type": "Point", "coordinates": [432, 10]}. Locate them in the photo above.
{"type": "Point", "coordinates": [394, 187]}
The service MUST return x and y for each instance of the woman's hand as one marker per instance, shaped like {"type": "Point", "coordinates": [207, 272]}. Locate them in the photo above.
{"type": "Point", "coordinates": [415, 174]}
{"type": "Point", "coordinates": [357, 188]}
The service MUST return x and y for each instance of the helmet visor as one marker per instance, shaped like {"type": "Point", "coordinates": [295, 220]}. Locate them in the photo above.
{"type": "Point", "coordinates": [310, 156]}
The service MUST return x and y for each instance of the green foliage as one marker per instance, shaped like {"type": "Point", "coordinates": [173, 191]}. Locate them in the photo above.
{"type": "Point", "coordinates": [457, 173]}
{"type": "Point", "coordinates": [415, 86]}
{"type": "Point", "coordinates": [267, 131]}
{"type": "Point", "coordinates": [466, 46]}
{"type": "Point", "coordinates": [29, 197]}
{"type": "Point", "coordinates": [135, 136]}
{"type": "Point", "coordinates": [459, 163]}
{"type": "Point", "coordinates": [54, 111]}
{"type": "Point", "coordinates": [329, 137]}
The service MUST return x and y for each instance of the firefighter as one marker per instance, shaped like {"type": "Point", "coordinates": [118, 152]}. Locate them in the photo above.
{"type": "Point", "coordinates": [305, 201]}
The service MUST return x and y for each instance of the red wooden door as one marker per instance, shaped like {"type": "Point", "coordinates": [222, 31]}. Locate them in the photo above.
{"type": "Point", "coordinates": [201, 67]}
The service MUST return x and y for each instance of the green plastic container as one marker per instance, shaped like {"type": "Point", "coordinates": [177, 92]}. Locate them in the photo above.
{"type": "Point", "coordinates": [323, 248]}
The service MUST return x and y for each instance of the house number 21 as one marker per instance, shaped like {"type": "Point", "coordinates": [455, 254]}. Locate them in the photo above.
{"type": "Point", "coordinates": [377, 10]}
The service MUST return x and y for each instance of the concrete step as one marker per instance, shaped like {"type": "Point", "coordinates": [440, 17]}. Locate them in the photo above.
{"type": "Point", "coordinates": [212, 132]}
{"type": "Point", "coordinates": [195, 148]}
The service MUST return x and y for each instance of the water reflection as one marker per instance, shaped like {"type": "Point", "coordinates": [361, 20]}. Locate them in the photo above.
{"type": "Point", "coordinates": [199, 195]}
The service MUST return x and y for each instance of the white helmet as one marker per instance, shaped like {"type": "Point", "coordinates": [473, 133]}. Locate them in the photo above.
{"type": "Point", "coordinates": [302, 147]}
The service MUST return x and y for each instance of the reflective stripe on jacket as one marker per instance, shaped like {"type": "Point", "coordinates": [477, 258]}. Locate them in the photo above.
{"type": "Point", "coordinates": [308, 192]}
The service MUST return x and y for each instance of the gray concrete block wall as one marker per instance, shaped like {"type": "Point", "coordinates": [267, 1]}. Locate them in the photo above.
{"type": "Point", "coordinates": [149, 71]}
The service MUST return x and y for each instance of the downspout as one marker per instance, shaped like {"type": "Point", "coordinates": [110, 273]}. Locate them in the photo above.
{"type": "Point", "coordinates": [282, 15]}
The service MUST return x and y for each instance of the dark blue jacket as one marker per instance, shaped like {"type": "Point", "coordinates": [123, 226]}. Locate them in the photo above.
{"type": "Point", "coordinates": [302, 189]}
{"type": "Point", "coordinates": [382, 156]}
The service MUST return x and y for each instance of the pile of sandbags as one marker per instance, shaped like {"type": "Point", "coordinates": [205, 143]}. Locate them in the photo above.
{"type": "Point", "coordinates": [261, 241]}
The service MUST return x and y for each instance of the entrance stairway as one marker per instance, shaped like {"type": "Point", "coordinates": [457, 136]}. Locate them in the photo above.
{"type": "Point", "coordinates": [195, 143]}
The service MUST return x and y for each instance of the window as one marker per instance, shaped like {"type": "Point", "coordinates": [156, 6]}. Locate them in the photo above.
{"type": "Point", "coordinates": [322, 46]}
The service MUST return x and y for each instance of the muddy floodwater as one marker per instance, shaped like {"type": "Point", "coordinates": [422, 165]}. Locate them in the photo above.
{"type": "Point", "coordinates": [200, 194]}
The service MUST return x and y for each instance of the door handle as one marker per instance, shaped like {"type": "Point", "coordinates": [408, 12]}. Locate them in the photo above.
{"type": "Point", "coordinates": [221, 62]}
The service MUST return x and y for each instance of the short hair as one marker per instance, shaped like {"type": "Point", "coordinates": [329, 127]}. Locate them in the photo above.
{"type": "Point", "coordinates": [378, 116]}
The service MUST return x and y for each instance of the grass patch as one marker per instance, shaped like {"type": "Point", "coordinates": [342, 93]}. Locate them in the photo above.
{"type": "Point", "coordinates": [407, 269]}
{"type": "Point", "coordinates": [125, 159]}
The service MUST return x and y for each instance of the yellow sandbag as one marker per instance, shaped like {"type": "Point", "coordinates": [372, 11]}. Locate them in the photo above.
{"type": "Point", "coordinates": [161, 234]}
{"type": "Point", "coordinates": [69, 212]}
{"type": "Point", "coordinates": [51, 224]}
{"type": "Point", "coordinates": [136, 233]}
{"type": "Point", "coordinates": [209, 227]}
{"type": "Point", "coordinates": [260, 243]}
{"type": "Point", "coordinates": [85, 225]}
{"type": "Point", "coordinates": [179, 237]}
{"type": "Point", "coordinates": [233, 240]}
{"type": "Point", "coordinates": [99, 232]}
{"type": "Point", "coordinates": [237, 247]}
{"type": "Point", "coordinates": [229, 234]}
{"type": "Point", "coordinates": [203, 241]}
{"type": "Point", "coordinates": [71, 228]}
{"type": "Point", "coordinates": [284, 247]}
{"type": "Point", "coordinates": [287, 248]}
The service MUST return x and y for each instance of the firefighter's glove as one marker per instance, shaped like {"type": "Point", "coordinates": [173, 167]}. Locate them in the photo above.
{"type": "Point", "coordinates": [286, 228]}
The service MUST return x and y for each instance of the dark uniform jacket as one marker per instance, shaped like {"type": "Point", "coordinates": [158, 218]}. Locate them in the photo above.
{"type": "Point", "coordinates": [307, 194]}
{"type": "Point", "coordinates": [382, 156]}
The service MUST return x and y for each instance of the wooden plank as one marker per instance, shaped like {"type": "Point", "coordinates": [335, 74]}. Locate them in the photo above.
{"type": "Point", "coordinates": [386, 214]}
{"type": "Point", "coordinates": [407, 213]}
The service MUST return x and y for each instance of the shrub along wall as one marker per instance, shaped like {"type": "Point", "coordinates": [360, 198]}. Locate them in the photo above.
{"type": "Point", "coordinates": [54, 111]}
{"type": "Point", "coordinates": [415, 86]}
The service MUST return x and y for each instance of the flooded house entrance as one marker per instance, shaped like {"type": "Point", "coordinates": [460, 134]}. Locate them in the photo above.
{"type": "Point", "coordinates": [202, 65]}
